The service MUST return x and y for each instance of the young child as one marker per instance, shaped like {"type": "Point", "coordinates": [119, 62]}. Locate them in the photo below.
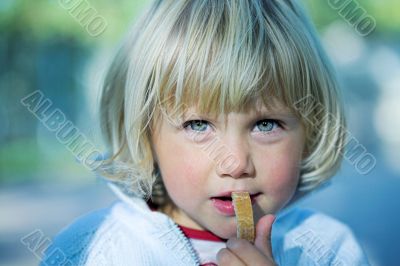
{"type": "Point", "coordinates": [208, 97]}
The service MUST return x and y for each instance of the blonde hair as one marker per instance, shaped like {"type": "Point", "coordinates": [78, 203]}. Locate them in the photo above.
{"type": "Point", "coordinates": [221, 56]}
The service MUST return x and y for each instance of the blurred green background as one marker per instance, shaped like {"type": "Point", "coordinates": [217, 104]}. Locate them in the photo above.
{"type": "Point", "coordinates": [43, 46]}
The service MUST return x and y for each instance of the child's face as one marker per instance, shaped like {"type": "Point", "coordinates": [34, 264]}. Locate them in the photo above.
{"type": "Point", "coordinates": [259, 152]}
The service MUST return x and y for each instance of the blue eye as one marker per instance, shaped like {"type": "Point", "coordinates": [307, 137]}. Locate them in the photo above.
{"type": "Point", "coordinates": [267, 125]}
{"type": "Point", "coordinates": [197, 125]}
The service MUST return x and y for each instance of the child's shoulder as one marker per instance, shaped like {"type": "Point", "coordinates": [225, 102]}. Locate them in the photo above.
{"type": "Point", "coordinates": [96, 237]}
{"type": "Point", "coordinates": [73, 244]}
{"type": "Point", "coordinates": [313, 238]}
{"type": "Point", "coordinates": [126, 233]}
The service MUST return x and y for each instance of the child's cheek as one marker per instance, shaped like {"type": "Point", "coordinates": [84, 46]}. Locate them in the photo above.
{"type": "Point", "coordinates": [194, 169]}
{"type": "Point", "coordinates": [283, 178]}
{"type": "Point", "coordinates": [187, 172]}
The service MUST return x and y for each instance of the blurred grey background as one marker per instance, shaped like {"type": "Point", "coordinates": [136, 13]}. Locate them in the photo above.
{"type": "Point", "coordinates": [62, 50]}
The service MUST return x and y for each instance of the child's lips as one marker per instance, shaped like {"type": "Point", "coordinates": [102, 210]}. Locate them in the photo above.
{"type": "Point", "coordinates": [224, 204]}
{"type": "Point", "coordinates": [224, 207]}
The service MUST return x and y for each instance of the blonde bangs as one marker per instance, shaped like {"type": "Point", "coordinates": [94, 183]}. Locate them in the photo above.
{"type": "Point", "coordinates": [217, 62]}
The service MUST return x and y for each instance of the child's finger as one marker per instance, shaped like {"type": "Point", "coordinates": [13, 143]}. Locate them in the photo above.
{"type": "Point", "coordinates": [247, 252]}
{"type": "Point", "coordinates": [263, 235]}
{"type": "Point", "coordinates": [226, 257]}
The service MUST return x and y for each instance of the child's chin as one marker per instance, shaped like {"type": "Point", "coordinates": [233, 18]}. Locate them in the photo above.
{"type": "Point", "coordinates": [225, 232]}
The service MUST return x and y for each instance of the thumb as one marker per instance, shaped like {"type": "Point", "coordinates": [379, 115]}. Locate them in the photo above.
{"type": "Point", "coordinates": [263, 234]}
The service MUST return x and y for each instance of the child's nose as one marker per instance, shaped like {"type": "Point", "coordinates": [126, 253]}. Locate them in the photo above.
{"type": "Point", "coordinates": [237, 162]}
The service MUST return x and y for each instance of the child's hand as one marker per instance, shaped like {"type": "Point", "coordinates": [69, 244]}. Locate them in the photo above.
{"type": "Point", "coordinates": [242, 252]}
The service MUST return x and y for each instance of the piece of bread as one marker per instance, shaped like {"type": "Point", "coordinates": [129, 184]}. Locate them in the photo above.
{"type": "Point", "coordinates": [244, 215]}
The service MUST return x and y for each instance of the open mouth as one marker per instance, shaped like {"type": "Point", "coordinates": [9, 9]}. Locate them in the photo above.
{"type": "Point", "coordinates": [229, 198]}
{"type": "Point", "coordinates": [224, 204]}
{"type": "Point", "coordinates": [223, 198]}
